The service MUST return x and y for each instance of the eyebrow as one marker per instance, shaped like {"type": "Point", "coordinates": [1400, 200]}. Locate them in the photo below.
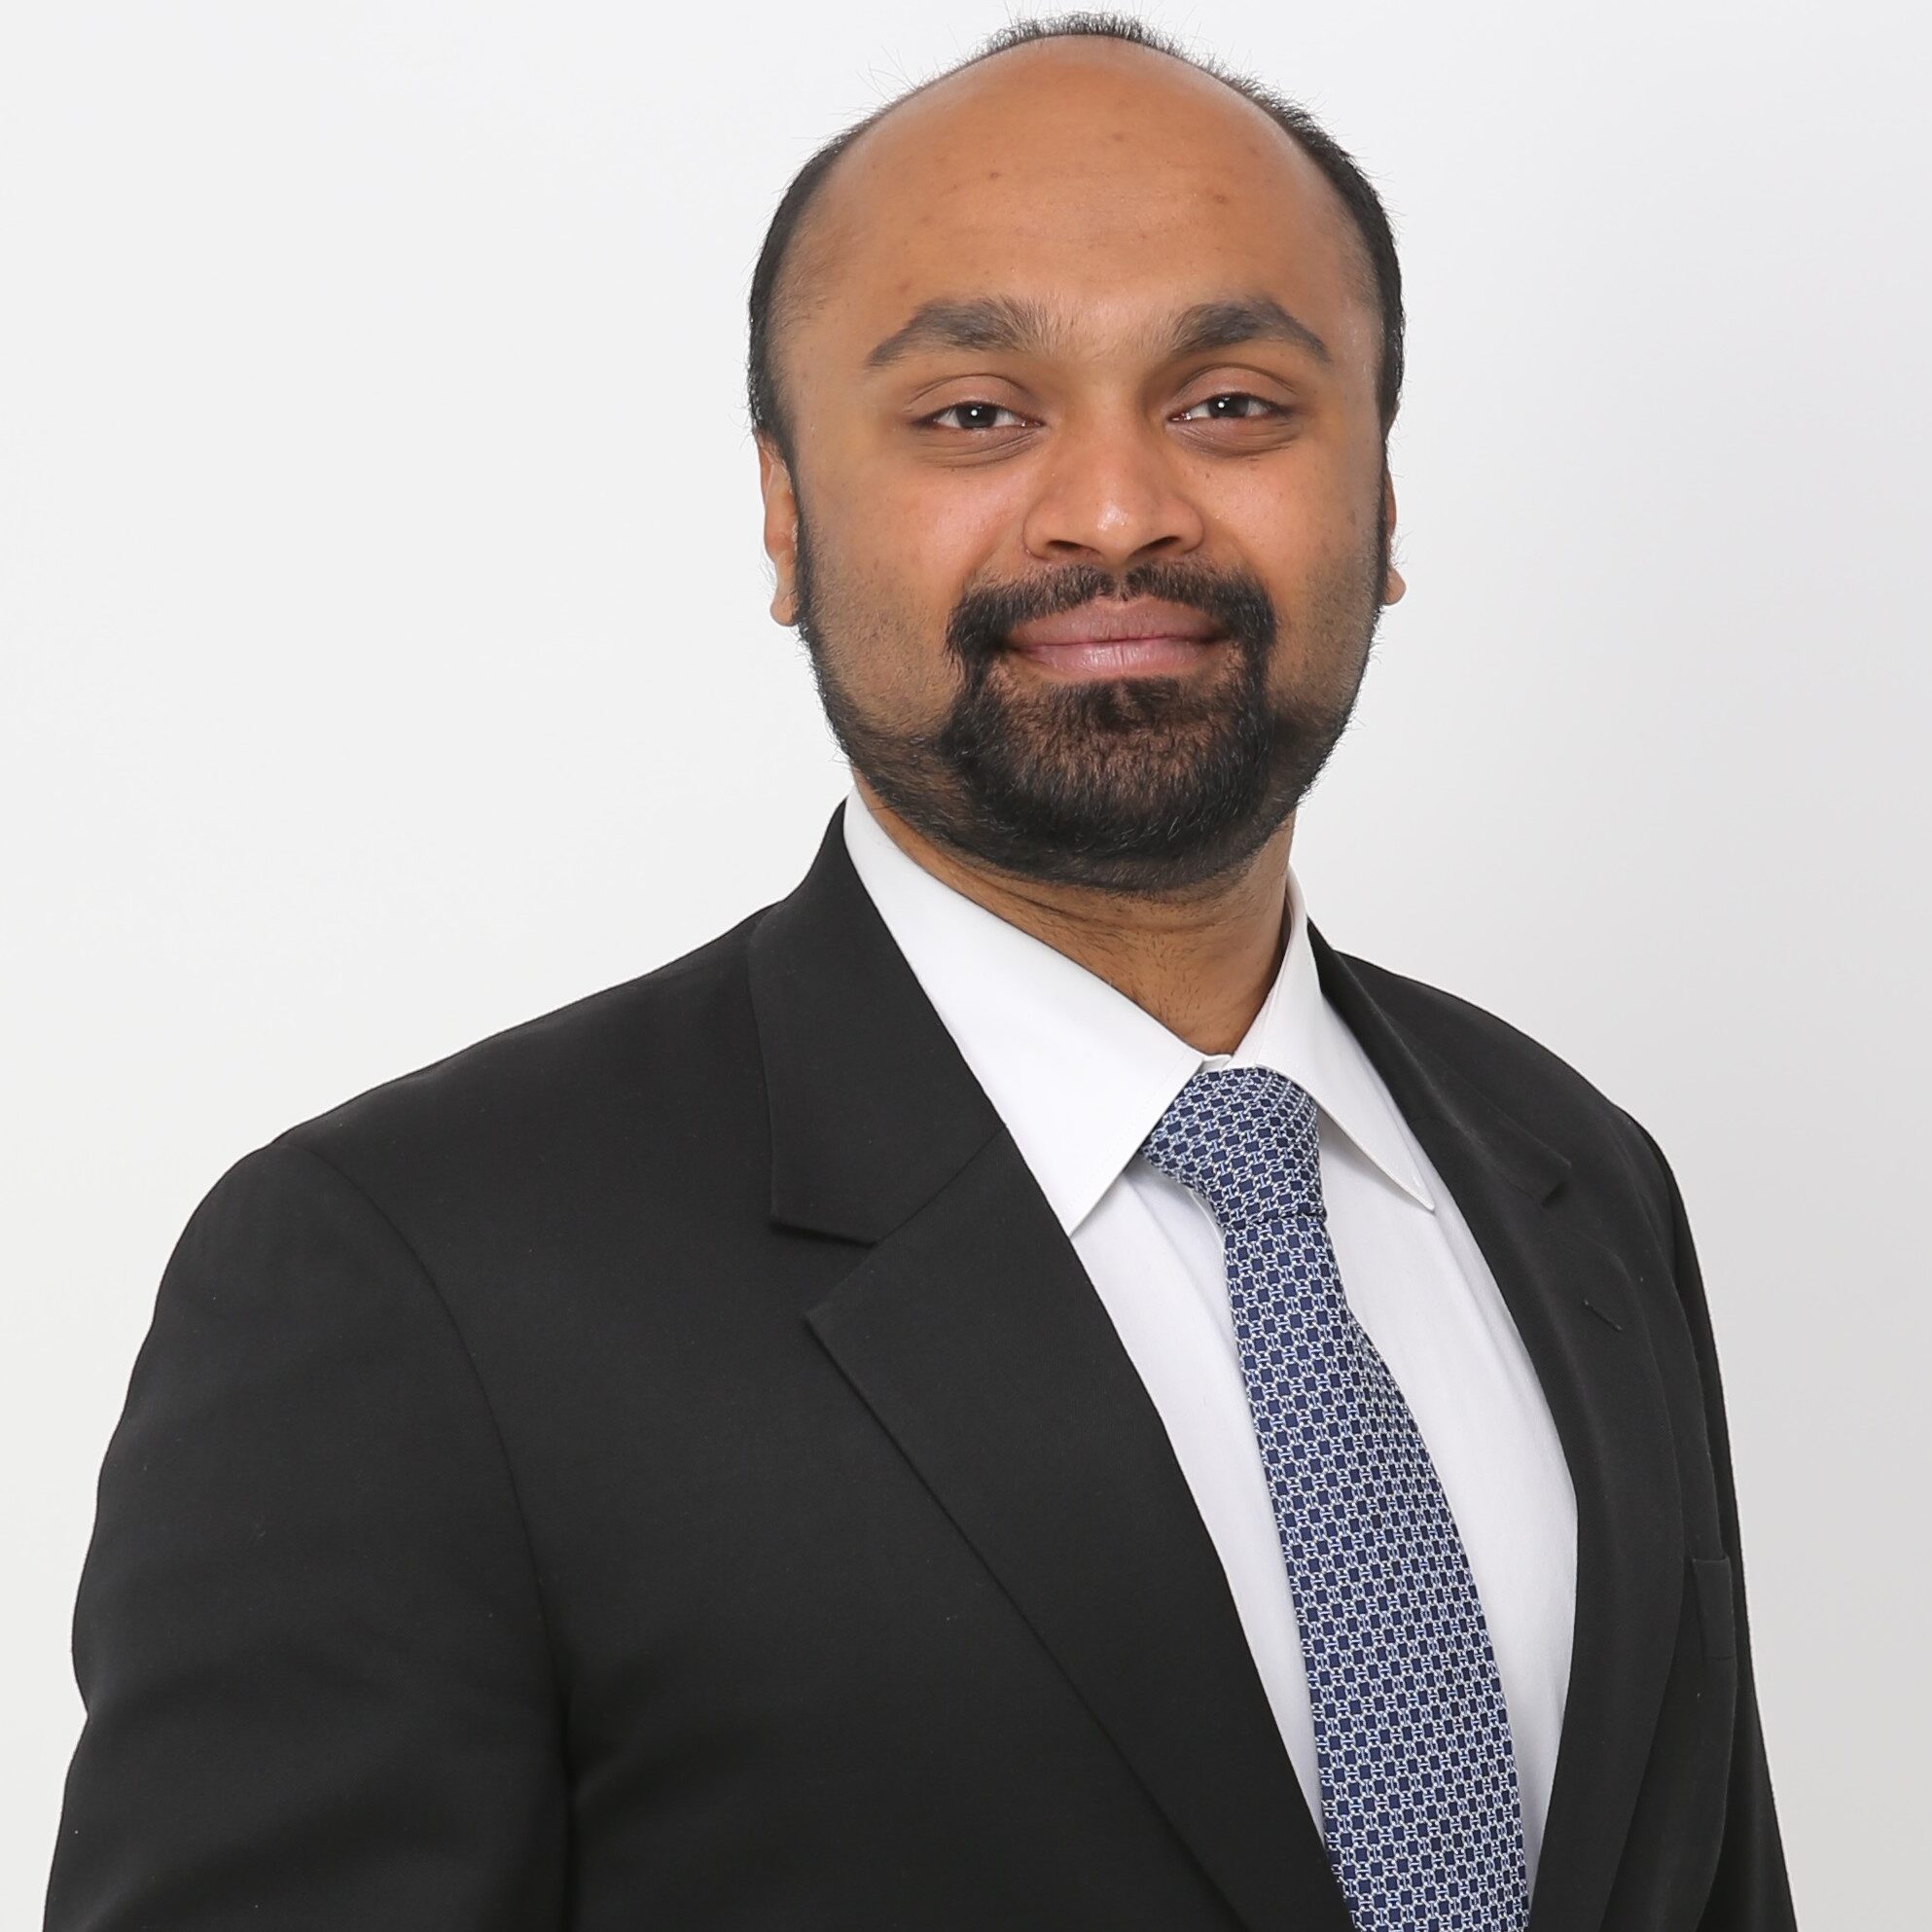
{"type": "Point", "coordinates": [1004, 325]}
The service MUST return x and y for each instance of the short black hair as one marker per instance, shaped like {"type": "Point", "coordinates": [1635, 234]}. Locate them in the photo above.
{"type": "Point", "coordinates": [1364, 205]}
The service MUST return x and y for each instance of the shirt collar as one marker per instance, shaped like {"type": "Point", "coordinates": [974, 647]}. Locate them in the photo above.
{"type": "Point", "coordinates": [1078, 1072]}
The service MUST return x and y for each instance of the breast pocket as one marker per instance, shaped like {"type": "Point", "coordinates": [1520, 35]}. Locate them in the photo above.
{"type": "Point", "coordinates": [1716, 1605]}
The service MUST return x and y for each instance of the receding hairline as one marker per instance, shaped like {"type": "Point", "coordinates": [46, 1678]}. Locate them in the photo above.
{"type": "Point", "coordinates": [804, 282]}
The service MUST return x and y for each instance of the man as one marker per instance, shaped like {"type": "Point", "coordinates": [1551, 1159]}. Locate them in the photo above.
{"type": "Point", "coordinates": [1016, 1386]}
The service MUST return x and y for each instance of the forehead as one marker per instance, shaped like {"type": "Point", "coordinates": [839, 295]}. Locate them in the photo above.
{"type": "Point", "coordinates": [1101, 182]}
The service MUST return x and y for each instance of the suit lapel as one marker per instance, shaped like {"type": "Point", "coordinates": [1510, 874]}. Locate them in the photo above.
{"type": "Point", "coordinates": [976, 1337]}
{"type": "Point", "coordinates": [973, 1333]}
{"type": "Point", "coordinates": [1576, 1309]}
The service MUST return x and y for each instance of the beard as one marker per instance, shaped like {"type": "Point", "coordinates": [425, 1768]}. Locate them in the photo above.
{"type": "Point", "coordinates": [1141, 785]}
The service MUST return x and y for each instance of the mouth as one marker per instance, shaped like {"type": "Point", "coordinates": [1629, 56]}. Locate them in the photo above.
{"type": "Point", "coordinates": [1120, 656]}
{"type": "Point", "coordinates": [1144, 639]}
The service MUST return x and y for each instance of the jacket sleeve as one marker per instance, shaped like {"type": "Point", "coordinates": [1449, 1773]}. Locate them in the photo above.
{"type": "Point", "coordinates": [1751, 1891]}
{"type": "Point", "coordinates": [307, 1634]}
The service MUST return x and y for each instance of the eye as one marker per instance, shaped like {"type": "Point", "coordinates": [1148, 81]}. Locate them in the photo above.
{"type": "Point", "coordinates": [981, 410]}
{"type": "Point", "coordinates": [1211, 402]}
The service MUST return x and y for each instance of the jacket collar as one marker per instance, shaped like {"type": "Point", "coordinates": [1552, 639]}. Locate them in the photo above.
{"type": "Point", "coordinates": [1078, 1072]}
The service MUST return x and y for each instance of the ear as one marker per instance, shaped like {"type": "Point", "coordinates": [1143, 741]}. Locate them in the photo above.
{"type": "Point", "coordinates": [782, 529]}
{"type": "Point", "coordinates": [1392, 584]}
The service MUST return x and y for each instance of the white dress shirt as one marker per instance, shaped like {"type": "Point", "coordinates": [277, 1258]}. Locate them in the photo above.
{"type": "Point", "coordinates": [1080, 1075]}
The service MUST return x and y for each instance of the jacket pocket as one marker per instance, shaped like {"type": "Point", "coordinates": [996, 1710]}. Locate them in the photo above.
{"type": "Point", "coordinates": [1716, 1604]}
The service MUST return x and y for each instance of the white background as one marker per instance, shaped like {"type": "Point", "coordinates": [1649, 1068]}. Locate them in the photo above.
{"type": "Point", "coordinates": [387, 658]}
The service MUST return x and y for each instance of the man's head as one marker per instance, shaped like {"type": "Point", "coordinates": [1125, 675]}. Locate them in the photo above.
{"type": "Point", "coordinates": [1082, 338]}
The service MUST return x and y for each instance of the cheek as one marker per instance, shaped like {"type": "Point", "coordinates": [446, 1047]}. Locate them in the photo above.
{"type": "Point", "coordinates": [905, 550]}
{"type": "Point", "coordinates": [883, 603]}
{"type": "Point", "coordinates": [933, 530]}
{"type": "Point", "coordinates": [1295, 514]}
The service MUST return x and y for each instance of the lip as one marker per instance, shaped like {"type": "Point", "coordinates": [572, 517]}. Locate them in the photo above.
{"type": "Point", "coordinates": [1120, 656]}
{"type": "Point", "coordinates": [1104, 623]}
{"type": "Point", "coordinates": [1144, 639]}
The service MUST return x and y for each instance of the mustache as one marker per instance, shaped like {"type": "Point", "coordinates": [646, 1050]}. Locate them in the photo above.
{"type": "Point", "coordinates": [1234, 601]}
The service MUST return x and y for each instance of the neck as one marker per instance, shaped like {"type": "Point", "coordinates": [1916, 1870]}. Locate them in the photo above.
{"type": "Point", "coordinates": [1199, 962]}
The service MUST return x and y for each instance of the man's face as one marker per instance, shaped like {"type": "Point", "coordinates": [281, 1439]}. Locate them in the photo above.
{"type": "Point", "coordinates": [1087, 526]}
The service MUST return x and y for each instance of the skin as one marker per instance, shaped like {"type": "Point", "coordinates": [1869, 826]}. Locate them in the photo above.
{"type": "Point", "coordinates": [1117, 187]}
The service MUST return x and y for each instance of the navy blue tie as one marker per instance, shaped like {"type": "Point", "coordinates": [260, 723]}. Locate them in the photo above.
{"type": "Point", "coordinates": [1420, 1809]}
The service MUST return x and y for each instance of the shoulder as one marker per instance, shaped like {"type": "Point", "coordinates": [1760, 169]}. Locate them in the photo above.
{"type": "Point", "coordinates": [1477, 1040]}
{"type": "Point", "coordinates": [622, 1077]}
{"type": "Point", "coordinates": [1527, 1080]}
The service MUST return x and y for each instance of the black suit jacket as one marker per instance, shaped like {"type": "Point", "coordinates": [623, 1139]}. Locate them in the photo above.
{"type": "Point", "coordinates": [664, 1466]}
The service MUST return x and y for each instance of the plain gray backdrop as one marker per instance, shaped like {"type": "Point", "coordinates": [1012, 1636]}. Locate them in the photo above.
{"type": "Point", "coordinates": [387, 658]}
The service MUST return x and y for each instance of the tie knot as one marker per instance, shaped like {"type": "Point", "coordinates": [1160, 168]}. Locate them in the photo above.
{"type": "Point", "coordinates": [1246, 1141]}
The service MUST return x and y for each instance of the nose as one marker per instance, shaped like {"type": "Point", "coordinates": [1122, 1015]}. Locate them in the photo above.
{"type": "Point", "coordinates": [1111, 492]}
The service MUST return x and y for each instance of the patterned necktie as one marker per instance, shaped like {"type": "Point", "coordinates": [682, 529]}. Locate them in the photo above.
{"type": "Point", "coordinates": [1420, 1810]}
